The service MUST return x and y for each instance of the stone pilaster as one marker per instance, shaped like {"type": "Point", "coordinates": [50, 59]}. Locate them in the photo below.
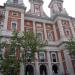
{"type": "Point", "coordinates": [72, 29]}
{"type": "Point", "coordinates": [37, 72]}
{"type": "Point", "coordinates": [55, 33]}
{"type": "Point", "coordinates": [68, 63]}
{"type": "Point", "coordinates": [22, 64]}
{"type": "Point", "coordinates": [22, 21]}
{"type": "Point", "coordinates": [49, 63]}
{"type": "Point", "coordinates": [34, 27]}
{"type": "Point", "coordinates": [6, 19]}
{"type": "Point", "coordinates": [62, 35]}
{"type": "Point", "coordinates": [61, 68]}
{"type": "Point", "coordinates": [22, 69]}
{"type": "Point", "coordinates": [45, 33]}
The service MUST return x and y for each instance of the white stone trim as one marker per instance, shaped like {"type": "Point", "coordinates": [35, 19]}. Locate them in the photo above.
{"type": "Point", "coordinates": [49, 63]}
{"type": "Point", "coordinates": [34, 28]}
{"type": "Point", "coordinates": [45, 33]}
{"type": "Point", "coordinates": [62, 35]}
{"type": "Point", "coordinates": [38, 20]}
{"type": "Point", "coordinates": [72, 29]}
{"type": "Point", "coordinates": [37, 72]}
{"type": "Point", "coordinates": [6, 20]}
{"type": "Point", "coordinates": [22, 21]}
{"type": "Point", "coordinates": [55, 33]}
{"type": "Point", "coordinates": [68, 63]}
{"type": "Point", "coordinates": [61, 68]}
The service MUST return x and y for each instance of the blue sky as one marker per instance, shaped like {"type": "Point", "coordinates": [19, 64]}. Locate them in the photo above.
{"type": "Point", "coordinates": [69, 5]}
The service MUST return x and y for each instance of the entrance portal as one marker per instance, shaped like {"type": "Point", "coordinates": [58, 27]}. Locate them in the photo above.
{"type": "Point", "coordinates": [55, 68]}
{"type": "Point", "coordinates": [29, 70]}
{"type": "Point", "coordinates": [43, 70]}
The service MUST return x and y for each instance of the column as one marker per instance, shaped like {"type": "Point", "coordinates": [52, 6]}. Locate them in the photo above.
{"type": "Point", "coordinates": [68, 63]}
{"type": "Point", "coordinates": [45, 33]}
{"type": "Point", "coordinates": [55, 33]}
{"type": "Point", "coordinates": [62, 35]}
{"type": "Point", "coordinates": [22, 69]}
{"type": "Point", "coordinates": [36, 64]}
{"type": "Point", "coordinates": [6, 19]}
{"type": "Point", "coordinates": [22, 21]}
{"type": "Point", "coordinates": [61, 68]}
{"type": "Point", "coordinates": [72, 29]}
{"type": "Point", "coordinates": [34, 28]}
{"type": "Point", "coordinates": [49, 64]}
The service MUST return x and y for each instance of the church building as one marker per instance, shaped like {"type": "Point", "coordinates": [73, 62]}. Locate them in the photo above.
{"type": "Point", "coordinates": [56, 29]}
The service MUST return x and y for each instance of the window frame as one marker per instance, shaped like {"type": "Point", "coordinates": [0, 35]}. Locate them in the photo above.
{"type": "Point", "coordinates": [41, 35]}
{"type": "Point", "coordinates": [14, 21]}
{"type": "Point", "coordinates": [52, 56]}
{"type": "Point", "coordinates": [42, 56]}
{"type": "Point", "coordinates": [14, 13]}
{"type": "Point", "coordinates": [51, 36]}
{"type": "Point", "coordinates": [69, 32]}
{"type": "Point", "coordinates": [37, 9]}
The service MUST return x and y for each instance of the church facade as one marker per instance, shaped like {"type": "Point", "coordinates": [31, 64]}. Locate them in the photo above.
{"type": "Point", "coordinates": [54, 59]}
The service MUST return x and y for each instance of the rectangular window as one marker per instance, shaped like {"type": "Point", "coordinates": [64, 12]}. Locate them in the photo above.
{"type": "Point", "coordinates": [1, 24]}
{"type": "Point", "coordinates": [67, 32]}
{"type": "Point", "coordinates": [39, 36]}
{"type": "Point", "coordinates": [54, 57]}
{"type": "Point", "coordinates": [37, 9]}
{"type": "Point", "coordinates": [15, 13]}
{"type": "Point", "coordinates": [14, 25]}
{"type": "Point", "coordinates": [50, 36]}
{"type": "Point", "coordinates": [41, 56]}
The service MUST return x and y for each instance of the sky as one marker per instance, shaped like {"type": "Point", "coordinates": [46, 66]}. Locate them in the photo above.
{"type": "Point", "coordinates": [68, 5]}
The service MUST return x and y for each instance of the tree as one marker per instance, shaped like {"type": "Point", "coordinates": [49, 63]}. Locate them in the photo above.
{"type": "Point", "coordinates": [11, 62]}
{"type": "Point", "coordinates": [70, 45]}
{"type": "Point", "coordinates": [28, 42]}
{"type": "Point", "coordinates": [1, 58]}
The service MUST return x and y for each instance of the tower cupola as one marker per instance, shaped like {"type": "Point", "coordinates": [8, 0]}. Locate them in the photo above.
{"type": "Point", "coordinates": [36, 8]}
{"type": "Point", "coordinates": [56, 7]}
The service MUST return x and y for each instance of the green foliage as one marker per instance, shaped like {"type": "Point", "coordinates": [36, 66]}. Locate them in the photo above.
{"type": "Point", "coordinates": [26, 40]}
{"type": "Point", "coordinates": [30, 42]}
{"type": "Point", "coordinates": [9, 61]}
{"type": "Point", "coordinates": [70, 45]}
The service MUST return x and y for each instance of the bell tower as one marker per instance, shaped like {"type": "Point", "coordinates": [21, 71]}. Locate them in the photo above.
{"type": "Point", "coordinates": [15, 2]}
{"type": "Point", "coordinates": [56, 7]}
{"type": "Point", "coordinates": [15, 9]}
{"type": "Point", "coordinates": [36, 8]}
